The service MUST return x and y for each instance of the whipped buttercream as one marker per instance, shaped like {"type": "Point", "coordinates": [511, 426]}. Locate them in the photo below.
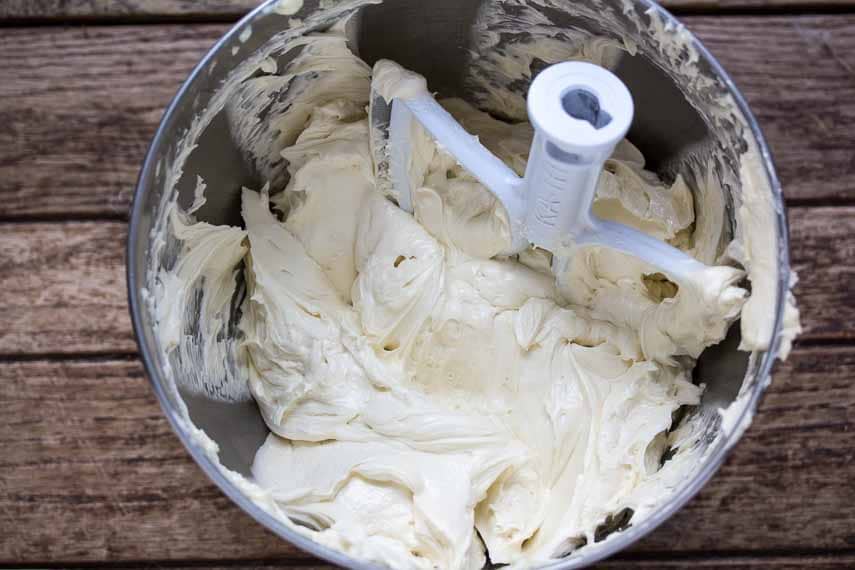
{"type": "Point", "coordinates": [432, 403]}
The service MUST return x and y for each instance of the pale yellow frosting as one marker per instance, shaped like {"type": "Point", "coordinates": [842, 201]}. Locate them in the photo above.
{"type": "Point", "coordinates": [430, 401]}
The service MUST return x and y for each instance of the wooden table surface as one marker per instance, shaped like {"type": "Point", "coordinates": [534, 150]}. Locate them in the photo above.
{"type": "Point", "coordinates": [91, 475]}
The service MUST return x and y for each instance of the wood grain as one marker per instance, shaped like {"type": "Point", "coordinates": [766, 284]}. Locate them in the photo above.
{"type": "Point", "coordinates": [64, 286]}
{"type": "Point", "coordinates": [87, 449]}
{"type": "Point", "coordinates": [771, 6]}
{"type": "Point", "coordinates": [798, 562]}
{"type": "Point", "coordinates": [91, 474]}
{"type": "Point", "coordinates": [80, 105]}
{"type": "Point", "coordinates": [51, 10]}
{"type": "Point", "coordinates": [93, 454]}
{"type": "Point", "coordinates": [784, 485]}
{"type": "Point", "coordinates": [822, 250]}
{"type": "Point", "coordinates": [826, 562]}
{"type": "Point", "coordinates": [63, 289]}
{"type": "Point", "coordinates": [47, 10]}
{"type": "Point", "coordinates": [798, 75]}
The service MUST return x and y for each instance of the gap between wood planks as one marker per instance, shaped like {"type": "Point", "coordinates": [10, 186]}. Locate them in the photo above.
{"type": "Point", "coordinates": [88, 120]}
{"type": "Point", "coordinates": [65, 292]}
{"type": "Point", "coordinates": [33, 13]}
{"type": "Point", "coordinates": [24, 218]}
{"type": "Point", "coordinates": [98, 476]}
{"type": "Point", "coordinates": [703, 560]}
{"type": "Point", "coordinates": [789, 559]}
{"type": "Point", "coordinates": [80, 356]}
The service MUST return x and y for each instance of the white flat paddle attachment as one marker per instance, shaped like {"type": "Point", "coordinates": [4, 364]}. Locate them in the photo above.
{"type": "Point", "coordinates": [579, 112]}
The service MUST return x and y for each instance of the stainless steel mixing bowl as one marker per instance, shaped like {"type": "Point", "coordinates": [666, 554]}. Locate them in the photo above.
{"type": "Point", "coordinates": [676, 85]}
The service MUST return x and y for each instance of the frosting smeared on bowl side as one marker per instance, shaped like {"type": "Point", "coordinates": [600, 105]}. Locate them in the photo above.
{"type": "Point", "coordinates": [432, 403]}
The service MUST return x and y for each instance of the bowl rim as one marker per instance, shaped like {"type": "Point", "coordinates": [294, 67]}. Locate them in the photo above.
{"type": "Point", "coordinates": [585, 557]}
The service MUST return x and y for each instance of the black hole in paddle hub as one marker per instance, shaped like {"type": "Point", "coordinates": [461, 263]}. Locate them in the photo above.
{"type": "Point", "coordinates": [585, 106]}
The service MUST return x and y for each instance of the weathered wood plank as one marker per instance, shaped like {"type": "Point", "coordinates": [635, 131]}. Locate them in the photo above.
{"type": "Point", "coordinates": [95, 473]}
{"type": "Point", "coordinates": [47, 10]}
{"type": "Point", "coordinates": [63, 289]}
{"type": "Point", "coordinates": [770, 6]}
{"type": "Point", "coordinates": [798, 75]}
{"type": "Point", "coordinates": [79, 105]}
{"type": "Point", "coordinates": [788, 472]}
{"type": "Point", "coordinates": [822, 250]}
{"type": "Point", "coordinates": [86, 448]}
{"type": "Point", "coordinates": [243, 565]}
{"type": "Point", "coordinates": [825, 562]}
{"type": "Point", "coordinates": [51, 10]}
{"type": "Point", "coordinates": [64, 286]}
